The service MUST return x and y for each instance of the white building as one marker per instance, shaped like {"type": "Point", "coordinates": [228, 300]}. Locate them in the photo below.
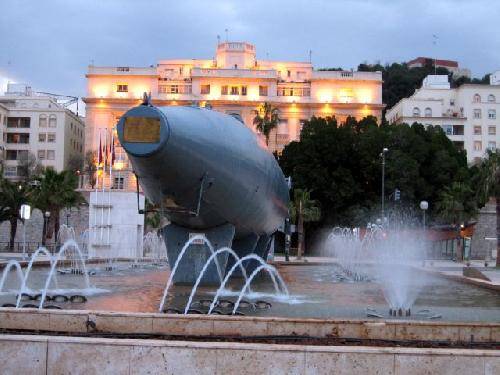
{"type": "Point", "coordinates": [236, 82]}
{"type": "Point", "coordinates": [39, 125]}
{"type": "Point", "coordinates": [468, 114]}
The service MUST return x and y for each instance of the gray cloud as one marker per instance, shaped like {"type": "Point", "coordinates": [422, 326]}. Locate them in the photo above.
{"type": "Point", "coordinates": [50, 43]}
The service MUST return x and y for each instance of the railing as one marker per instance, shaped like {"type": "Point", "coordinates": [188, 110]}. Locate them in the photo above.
{"type": "Point", "coordinates": [238, 73]}
{"type": "Point", "coordinates": [343, 75]}
{"type": "Point", "coordinates": [121, 70]}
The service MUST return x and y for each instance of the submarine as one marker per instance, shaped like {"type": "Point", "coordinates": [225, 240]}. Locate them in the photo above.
{"type": "Point", "coordinates": [209, 174]}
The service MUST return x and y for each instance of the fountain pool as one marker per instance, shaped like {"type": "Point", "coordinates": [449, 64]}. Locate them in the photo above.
{"type": "Point", "coordinates": [316, 291]}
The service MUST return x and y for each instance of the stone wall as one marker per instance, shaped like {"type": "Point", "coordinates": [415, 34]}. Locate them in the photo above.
{"type": "Point", "coordinates": [78, 355]}
{"type": "Point", "coordinates": [485, 228]}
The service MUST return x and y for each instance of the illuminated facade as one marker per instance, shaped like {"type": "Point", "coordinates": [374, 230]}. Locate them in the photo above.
{"type": "Point", "coordinates": [234, 82]}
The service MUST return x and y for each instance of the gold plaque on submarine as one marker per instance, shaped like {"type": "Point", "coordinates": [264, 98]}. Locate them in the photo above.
{"type": "Point", "coordinates": [141, 130]}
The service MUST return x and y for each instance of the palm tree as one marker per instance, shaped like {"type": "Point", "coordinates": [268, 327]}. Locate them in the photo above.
{"type": "Point", "coordinates": [489, 186]}
{"type": "Point", "coordinates": [266, 119]}
{"type": "Point", "coordinates": [56, 191]}
{"type": "Point", "coordinates": [90, 167]}
{"type": "Point", "coordinates": [452, 206]}
{"type": "Point", "coordinates": [303, 209]}
{"type": "Point", "coordinates": [12, 196]}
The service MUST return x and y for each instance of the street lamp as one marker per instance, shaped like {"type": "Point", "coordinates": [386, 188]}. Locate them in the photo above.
{"type": "Point", "coordinates": [424, 205]}
{"type": "Point", "coordinates": [382, 155]}
{"type": "Point", "coordinates": [46, 216]}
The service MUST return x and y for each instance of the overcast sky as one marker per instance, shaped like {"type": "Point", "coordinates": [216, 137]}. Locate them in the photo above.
{"type": "Point", "coordinates": [49, 43]}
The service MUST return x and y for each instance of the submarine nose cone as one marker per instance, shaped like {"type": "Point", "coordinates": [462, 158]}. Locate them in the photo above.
{"type": "Point", "coordinates": [143, 130]}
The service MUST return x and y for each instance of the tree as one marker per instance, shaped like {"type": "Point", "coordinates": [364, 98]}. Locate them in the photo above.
{"type": "Point", "coordinates": [75, 163]}
{"type": "Point", "coordinates": [454, 205]}
{"type": "Point", "coordinates": [12, 196]}
{"type": "Point", "coordinates": [266, 119]}
{"type": "Point", "coordinates": [56, 191]}
{"type": "Point", "coordinates": [303, 209]}
{"type": "Point", "coordinates": [488, 185]}
{"type": "Point", "coordinates": [341, 165]}
{"type": "Point", "coordinates": [28, 167]}
{"type": "Point", "coordinates": [90, 167]}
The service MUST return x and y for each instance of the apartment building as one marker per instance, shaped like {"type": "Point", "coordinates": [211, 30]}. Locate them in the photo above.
{"type": "Point", "coordinates": [236, 82]}
{"type": "Point", "coordinates": [468, 114]}
{"type": "Point", "coordinates": [38, 124]}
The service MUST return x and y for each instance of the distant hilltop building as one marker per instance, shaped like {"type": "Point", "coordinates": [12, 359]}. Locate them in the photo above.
{"type": "Point", "coordinates": [233, 82]}
{"type": "Point", "coordinates": [36, 123]}
{"type": "Point", "coordinates": [451, 65]}
{"type": "Point", "coordinates": [467, 114]}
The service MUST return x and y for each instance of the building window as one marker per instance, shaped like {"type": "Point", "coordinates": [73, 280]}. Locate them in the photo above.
{"type": "Point", "coordinates": [118, 183]}
{"type": "Point", "coordinates": [10, 171]}
{"type": "Point", "coordinates": [492, 114]}
{"type": "Point", "coordinates": [428, 112]}
{"type": "Point", "coordinates": [235, 90]}
{"type": "Point", "coordinates": [243, 90]}
{"type": "Point", "coordinates": [11, 154]}
{"type": "Point", "coordinates": [42, 121]}
{"type": "Point", "coordinates": [51, 137]}
{"type": "Point", "coordinates": [51, 154]}
{"type": "Point", "coordinates": [448, 129]}
{"type": "Point", "coordinates": [477, 130]}
{"type": "Point", "coordinates": [18, 122]}
{"type": "Point", "coordinates": [262, 90]}
{"type": "Point", "coordinates": [492, 145]}
{"type": "Point", "coordinates": [41, 155]}
{"type": "Point", "coordinates": [458, 130]}
{"type": "Point", "coordinates": [18, 138]}
{"type": "Point", "coordinates": [52, 121]}
{"type": "Point", "coordinates": [223, 90]}
{"type": "Point", "coordinates": [121, 88]}
{"type": "Point", "coordinates": [174, 89]}
{"type": "Point", "coordinates": [42, 137]}
{"type": "Point", "coordinates": [477, 113]}
{"type": "Point", "coordinates": [476, 98]}
{"type": "Point", "coordinates": [452, 102]}
{"type": "Point", "coordinates": [288, 73]}
{"type": "Point", "coordinates": [205, 89]}
{"type": "Point", "coordinates": [491, 98]}
{"type": "Point", "coordinates": [416, 112]}
{"type": "Point", "coordinates": [478, 145]}
{"type": "Point", "coordinates": [492, 130]}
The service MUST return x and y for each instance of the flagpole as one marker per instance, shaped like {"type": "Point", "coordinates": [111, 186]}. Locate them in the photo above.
{"type": "Point", "coordinates": [103, 176]}
{"type": "Point", "coordinates": [96, 198]}
{"type": "Point", "coordinates": [111, 161]}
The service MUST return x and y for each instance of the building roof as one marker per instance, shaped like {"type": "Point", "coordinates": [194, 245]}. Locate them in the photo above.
{"type": "Point", "coordinates": [423, 60]}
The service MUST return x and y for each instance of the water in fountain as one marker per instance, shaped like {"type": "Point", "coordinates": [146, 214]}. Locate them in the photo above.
{"type": "Point", "coordinates": [389, 257]}
{"type": "Point", "coordinates": [270, 270]}
{"type": "Point", "coordinates": [36, 254]}
{"type": "Point", "coordinates": [154, 247]}
{"type": "Point", "coordinates": [198, 237]}
{"type": "Point", "coordinates": [65, 234]}
{"type": "Point", "coordinates": [273, 273]}
{"type": "Point", "coordinates": [207, 263]}
{"type": "Point", "coordinates": [19, 272]}
{"type": "Point", "coordinates": [70, 245]}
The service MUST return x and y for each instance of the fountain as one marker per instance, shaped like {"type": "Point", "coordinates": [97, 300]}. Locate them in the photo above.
{"type": "Point", "coordinates": [19, 272]}
{"type": "Point", "coordinates": [71, 244]}
{"type": "Point", "coordinates": [154, 247]}
{"type": "Point", "coordinates": [387, 257]}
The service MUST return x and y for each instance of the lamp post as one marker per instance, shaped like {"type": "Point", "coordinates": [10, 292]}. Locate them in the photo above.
{"type": "Point", "coordinates": [46, 216]}
{"type": "Point", "coordinates": [382, 155]}
{"type": "Point", "coordinates": [25, 214]}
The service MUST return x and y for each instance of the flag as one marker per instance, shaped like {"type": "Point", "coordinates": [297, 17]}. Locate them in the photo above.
{"type": "Point", "coordinates": [99, 155]}
{"type": "Point", "coordinates": [113, 150]}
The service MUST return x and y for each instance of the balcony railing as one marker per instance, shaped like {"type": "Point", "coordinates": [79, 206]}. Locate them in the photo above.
{"type": "Point", "coordinates": [121, 70]}
{"type": "Point", "coordinates": [347, 75]}
{"type": "Point", "coordinates": [236, 73]}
